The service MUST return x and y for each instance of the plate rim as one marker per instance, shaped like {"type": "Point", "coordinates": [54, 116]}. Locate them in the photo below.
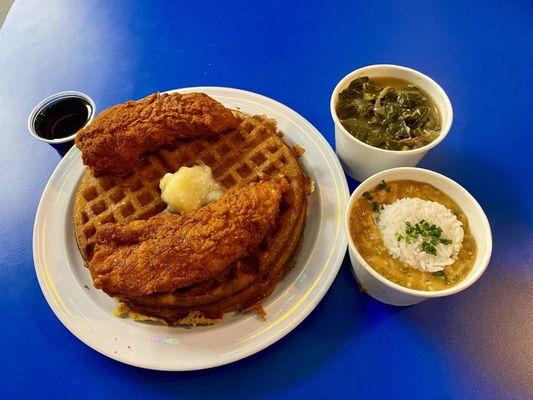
{"type": "Point", "coordinates": [299, 314]}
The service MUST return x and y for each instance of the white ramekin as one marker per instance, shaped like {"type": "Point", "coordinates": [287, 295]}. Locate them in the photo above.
{"type": "Point", "coordinates": [388, 292]}
{"type": "Point", "coordinates": [62, 145]}
{"type": "Point", "coordinates": [361, 160]}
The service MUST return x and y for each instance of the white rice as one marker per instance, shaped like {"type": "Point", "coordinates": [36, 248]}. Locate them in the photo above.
{"type": "Point", "coordinates": [391, 221]}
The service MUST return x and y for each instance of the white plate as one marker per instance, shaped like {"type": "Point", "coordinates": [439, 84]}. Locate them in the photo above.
{"type": "Point", "coordinates": [87, 312]}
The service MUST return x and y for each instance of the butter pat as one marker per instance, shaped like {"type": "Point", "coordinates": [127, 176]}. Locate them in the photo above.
{"type": "Point", "coordinates": [189, 188]}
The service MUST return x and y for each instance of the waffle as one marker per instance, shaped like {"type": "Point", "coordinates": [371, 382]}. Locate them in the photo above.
{"type": "Point", "coordinates": [236, 158]}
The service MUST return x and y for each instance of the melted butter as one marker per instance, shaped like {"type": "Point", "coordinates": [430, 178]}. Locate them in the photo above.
{"type": "Point", "coordinates": [189, 188]}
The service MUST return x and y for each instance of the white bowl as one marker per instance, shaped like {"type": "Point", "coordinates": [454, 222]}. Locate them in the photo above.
{"type": "Point", "coordinates": [361, 160]}
{"type": "Point", "coordinates": [63, 144]}
{"type": "Point", "coordinates": [52, 99]}
{"type": "Point", "coordinates": [388, 292]}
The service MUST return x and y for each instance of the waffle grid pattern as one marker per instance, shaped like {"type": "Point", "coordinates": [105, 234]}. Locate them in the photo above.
{"type": "Point", "coordinates": [237, 158]}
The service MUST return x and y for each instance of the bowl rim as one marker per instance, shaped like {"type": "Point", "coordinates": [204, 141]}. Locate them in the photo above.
{"type": "Point", "coordinates": [444, 130]}
{"type": "Point", "coordinates": [54, 97]}
{"type": "Point", "coordinates": [482, 260]}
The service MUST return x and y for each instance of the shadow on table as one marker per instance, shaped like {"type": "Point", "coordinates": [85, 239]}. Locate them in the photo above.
{"type": "Point", "coordinates": [485, 332]}
{"type": "Point", "coordinates": [490, 323]}
{"type": "Point", "coordinates": [323, 334]}
{"type": "Point", "coordinates": [345, 314]}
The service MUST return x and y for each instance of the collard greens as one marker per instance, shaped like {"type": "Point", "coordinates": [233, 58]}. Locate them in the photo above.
{"type": "Point", "coordinates": [388, 117]}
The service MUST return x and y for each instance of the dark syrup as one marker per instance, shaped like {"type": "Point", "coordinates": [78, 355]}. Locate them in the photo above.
{"type": "Point", "coordinates": [62, 118]}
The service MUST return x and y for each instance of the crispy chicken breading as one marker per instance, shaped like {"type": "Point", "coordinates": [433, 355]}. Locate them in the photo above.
{"type": "Point", "coordinates": [171, 251]}
{"type": "Point", "coordinates": [115, 140]}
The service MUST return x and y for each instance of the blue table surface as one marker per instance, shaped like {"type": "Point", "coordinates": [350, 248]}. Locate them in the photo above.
{"type": "Point", "coordinates": [476, 344]}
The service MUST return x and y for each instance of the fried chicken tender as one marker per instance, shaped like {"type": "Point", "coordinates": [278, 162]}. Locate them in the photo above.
{"type": "Point", "coordinates": [172, 251]}
{"type": "Point", "coordinates": [115, 141]}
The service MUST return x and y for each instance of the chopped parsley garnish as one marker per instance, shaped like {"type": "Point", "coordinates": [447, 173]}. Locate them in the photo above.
{"type": "Point", "coordinates": [375, 206]}
{"type": "Point", "coordinates": [442, 274]}
{"type": "Point", "coordinates": [431, 235]}
{"type": "Point", "coordinates": [429, 248]}
{"type": "Point", "coordinates": [383, 186]}
{"type": "Point", "coordinates": [367, 196]}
